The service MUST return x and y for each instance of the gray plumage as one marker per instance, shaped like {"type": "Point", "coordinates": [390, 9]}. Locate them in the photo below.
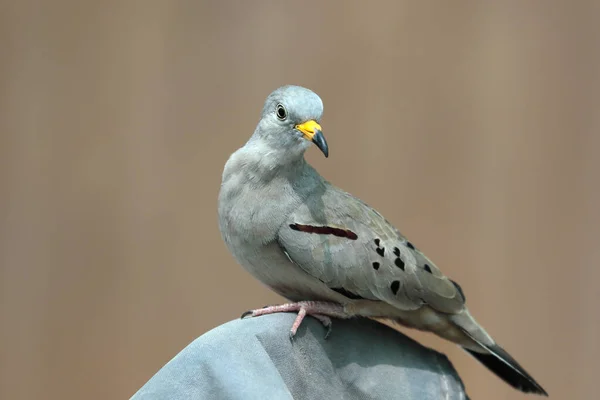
{"type": "Point", "coordinates": [309, 240]}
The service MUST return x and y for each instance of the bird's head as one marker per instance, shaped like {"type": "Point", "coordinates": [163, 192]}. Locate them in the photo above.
{"type": "Point", "coordinates": [290, 122]}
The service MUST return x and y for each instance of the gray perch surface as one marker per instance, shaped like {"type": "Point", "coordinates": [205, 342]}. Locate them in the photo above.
{"type": "Point", "coordinates": [255, 359]}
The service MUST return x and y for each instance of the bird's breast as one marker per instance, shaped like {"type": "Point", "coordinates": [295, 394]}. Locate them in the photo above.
{"type": "Point", "coordinates": [250, 213]}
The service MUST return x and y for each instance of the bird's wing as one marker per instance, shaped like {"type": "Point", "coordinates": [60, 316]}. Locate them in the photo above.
{"type": "Point", "coordinates": [349, 246]}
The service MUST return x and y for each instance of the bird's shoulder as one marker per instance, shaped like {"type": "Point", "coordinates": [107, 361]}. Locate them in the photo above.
{"type": "Point", "coordinates": [330, 205]}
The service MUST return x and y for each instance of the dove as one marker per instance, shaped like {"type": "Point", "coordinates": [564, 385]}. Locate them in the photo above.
{"type": "Point", "coordinates": [328, 252]}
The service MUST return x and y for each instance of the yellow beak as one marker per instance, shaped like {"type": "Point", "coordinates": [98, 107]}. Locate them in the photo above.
{"type": "Point", "coordinates": [311, 130]}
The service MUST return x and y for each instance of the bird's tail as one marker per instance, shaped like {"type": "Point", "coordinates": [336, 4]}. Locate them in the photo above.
{"type": "Point", "coordinates": [497, 360]}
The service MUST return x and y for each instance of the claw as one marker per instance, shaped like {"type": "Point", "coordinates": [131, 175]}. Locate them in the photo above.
{"type": "Point", "coordinates": [328, 331]}
{"type": "Point", "coordinates": [251, 312]}
{"type": "Point", "coordinates": [325, 321]}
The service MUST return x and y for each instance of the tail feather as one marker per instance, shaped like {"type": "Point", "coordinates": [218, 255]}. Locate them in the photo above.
{"type": "Point", "coordinates": [506, 368]}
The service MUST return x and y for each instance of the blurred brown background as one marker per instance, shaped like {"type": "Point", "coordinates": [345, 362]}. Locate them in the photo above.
{"type": "Point", "coordinates": [474, 127]}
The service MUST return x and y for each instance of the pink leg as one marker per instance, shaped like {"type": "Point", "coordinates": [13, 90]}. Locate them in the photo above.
{"type": "Point", "coordinates": [319, 309]}
{"type": "Point", "coordinates": [298, 321]}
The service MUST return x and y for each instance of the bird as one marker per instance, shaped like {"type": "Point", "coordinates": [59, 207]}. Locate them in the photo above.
{"type": "Point", "coordinates": [329, 253]}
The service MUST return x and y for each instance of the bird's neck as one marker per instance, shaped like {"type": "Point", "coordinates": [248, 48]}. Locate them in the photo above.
{"type": "Point", "coordinates": [271, 162]}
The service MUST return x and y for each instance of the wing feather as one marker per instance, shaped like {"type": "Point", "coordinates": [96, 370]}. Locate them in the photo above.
{"type": "Point", "coordinates": [349, 246]}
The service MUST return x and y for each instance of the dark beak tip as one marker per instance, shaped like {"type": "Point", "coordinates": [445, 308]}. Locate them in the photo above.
{"type": "Point", "coordinates": [321, 143]}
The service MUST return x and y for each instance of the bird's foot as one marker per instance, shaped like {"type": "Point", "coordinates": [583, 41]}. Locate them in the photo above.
{"type": "Point", "coordinates": [320, 310]}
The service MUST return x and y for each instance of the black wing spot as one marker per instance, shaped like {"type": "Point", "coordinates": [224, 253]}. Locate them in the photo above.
{"type": "Point", "coordinates": [325, 230]}
{"type": "Point", "coordinates": [377, 241]}
{"type": "Point", "coordinates": [410, 245]}
{"type": "Point", "coordinates": [376, 265]}
{"type": "Point", "coordinates": [427, 268]}
{"type": "Point", "coordinates": [380, 251]}
{"type": "Point", "coordinates": [457, 286]}
{"type": "Point", "coordinates": [396, 252]}
{"type": "Point", "coordinates": [395, 286]}
{"type": "Point", "coordinates": [347, 293]}
{"type": "Point", "coordinates": [399, 263]}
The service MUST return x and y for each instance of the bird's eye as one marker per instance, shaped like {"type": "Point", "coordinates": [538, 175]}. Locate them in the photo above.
{"type": "Point", "coordinates": [281, 112]}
